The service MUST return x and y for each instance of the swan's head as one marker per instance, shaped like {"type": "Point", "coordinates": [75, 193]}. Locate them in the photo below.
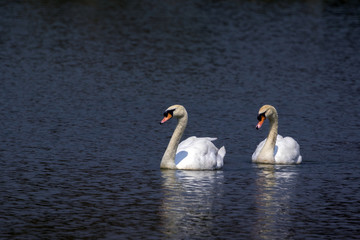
{"type": "Point", "coordinates": [266, 111]}
{"type": "Point", "coordinates": [177, 111]}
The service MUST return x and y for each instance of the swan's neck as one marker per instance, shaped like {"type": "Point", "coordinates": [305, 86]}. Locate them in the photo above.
{"type": "Point", "coordinates": [168, 160]}
{"type": "Point", "coordinates": [266, 154]}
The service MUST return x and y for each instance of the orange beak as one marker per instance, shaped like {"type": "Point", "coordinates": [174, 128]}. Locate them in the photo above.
{"type": "Point", "coordinates": [169, 116]}
{"type": "Point", "coordinates": [260, 123]}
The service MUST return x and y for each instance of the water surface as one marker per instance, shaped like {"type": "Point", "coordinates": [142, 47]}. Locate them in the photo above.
{"type": "Point", "coordinates": [83, 88]}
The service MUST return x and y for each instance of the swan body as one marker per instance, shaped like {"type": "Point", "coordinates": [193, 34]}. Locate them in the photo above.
{"type": "Point", "coordinates": [193, 153]}
{"type": "Point", "coordinates": [275, 149]}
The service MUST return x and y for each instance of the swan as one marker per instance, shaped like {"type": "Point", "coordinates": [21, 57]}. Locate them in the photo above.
{"type": "Point", "coordinates": [275, 149]}
{"type": "Point", "coordinates": [193, 153]}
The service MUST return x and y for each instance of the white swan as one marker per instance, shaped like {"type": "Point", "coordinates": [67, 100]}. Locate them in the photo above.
{"type": "Point", "coordinates": [275, 149]}
{"type": "Point", "coordinates": [193, 153]}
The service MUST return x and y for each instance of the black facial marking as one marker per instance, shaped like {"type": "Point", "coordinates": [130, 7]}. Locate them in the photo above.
{"type": "Point", "coordinates": [260, 115]}
{"type": "Point", "coordinates": [171, 111]}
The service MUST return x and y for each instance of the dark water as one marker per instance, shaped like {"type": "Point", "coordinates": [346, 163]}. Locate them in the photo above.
{"type": "Point", "coordinates": [83, 88]}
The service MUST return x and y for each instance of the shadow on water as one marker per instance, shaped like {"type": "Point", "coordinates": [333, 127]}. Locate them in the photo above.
{"type": "Point", "coordinates": [189, 199]}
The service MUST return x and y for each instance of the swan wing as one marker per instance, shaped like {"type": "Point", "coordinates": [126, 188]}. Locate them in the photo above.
{"type": "Point", "coordinates": [287, 151]}
{"type": "Point", "coordinates": [193, 140]}
{"type": "Point", "coordinates": [199, 154]}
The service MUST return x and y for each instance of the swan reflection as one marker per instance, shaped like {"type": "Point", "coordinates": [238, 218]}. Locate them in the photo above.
{"type": "Point", "coordinates": [274, 190]}
{"type": "Point", "coordinates": [189, 201]}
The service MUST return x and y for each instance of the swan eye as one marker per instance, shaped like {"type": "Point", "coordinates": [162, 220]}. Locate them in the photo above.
{"type": "Point", "coordinates": [260, 116]}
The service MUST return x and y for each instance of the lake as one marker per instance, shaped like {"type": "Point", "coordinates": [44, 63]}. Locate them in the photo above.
{"type": "Point", "coordinates": [83, 88]}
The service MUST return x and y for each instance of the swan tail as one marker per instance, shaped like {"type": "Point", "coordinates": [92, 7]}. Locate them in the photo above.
{"type": "Point", "coordinates": [220, 157]}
